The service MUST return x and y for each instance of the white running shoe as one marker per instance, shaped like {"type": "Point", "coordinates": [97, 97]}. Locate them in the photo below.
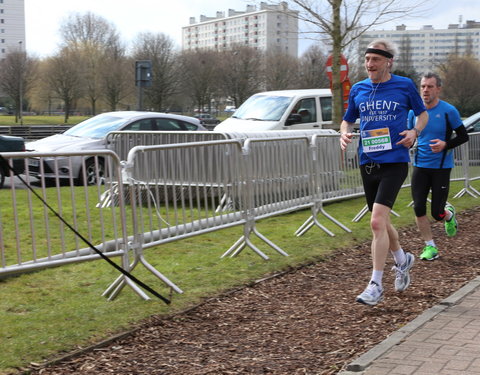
{"type": "Point", "coordinates": [372, 294]}
{"type": "Point", "coordinates": [402, 279]}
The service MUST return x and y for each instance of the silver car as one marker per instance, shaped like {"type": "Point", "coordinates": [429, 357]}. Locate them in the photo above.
{"type": "Point", "coordinates": [91, 135]}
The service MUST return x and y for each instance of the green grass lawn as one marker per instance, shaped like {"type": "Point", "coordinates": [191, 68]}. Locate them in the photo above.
{"type": "Point", "coordinates": [59, 309]}
{"type": "Point", "coordinates": [41, 120]}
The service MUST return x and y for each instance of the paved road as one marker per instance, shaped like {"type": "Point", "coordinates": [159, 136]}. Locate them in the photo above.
{"type": "Point", "coordinates": [444, 340]}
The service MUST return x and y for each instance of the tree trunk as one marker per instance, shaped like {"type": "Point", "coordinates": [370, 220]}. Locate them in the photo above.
{"type": "Point", "coordinates": [336, 53]}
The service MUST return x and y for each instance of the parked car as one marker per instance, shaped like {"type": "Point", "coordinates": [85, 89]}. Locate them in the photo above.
{"type": "Point", "coordinates": [282, 110]}
{"type": "Point", "coordinates": [91, 135]}
{"type": "Point", "coordinates": [11, 144]}
{"type": "Point", "coordinates": [207, 119]}
{"type": "Point", "coordinates": [472, 123]}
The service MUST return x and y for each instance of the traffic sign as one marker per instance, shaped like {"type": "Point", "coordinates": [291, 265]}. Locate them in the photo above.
{"type": "Point", "coordinates": [343, 68]}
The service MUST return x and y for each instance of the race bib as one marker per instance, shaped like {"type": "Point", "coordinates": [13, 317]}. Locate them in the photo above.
{"type": "Point", "coordinates": [376, 140]}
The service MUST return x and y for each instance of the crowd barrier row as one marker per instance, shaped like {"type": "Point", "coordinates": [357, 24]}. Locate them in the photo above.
{"type": "Point", "coordinates": [153, 194]}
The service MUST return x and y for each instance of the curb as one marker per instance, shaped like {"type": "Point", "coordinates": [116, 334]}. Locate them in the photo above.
{"type": "Point", "coordinates": [365, 360]}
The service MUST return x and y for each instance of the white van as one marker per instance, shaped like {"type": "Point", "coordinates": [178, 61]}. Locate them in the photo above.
{"type": "Point", "coordinates": [281, 110]}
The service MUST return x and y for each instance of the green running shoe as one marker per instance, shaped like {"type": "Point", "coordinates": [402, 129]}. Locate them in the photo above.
{"type": "Point", "coordinates": [429, 253]}
{"type": "Point", "coordinates": [451, 225]}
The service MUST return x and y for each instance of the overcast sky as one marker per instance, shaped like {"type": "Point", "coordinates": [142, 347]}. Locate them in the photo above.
{"type": "Point", "coordinates": [43, 18]}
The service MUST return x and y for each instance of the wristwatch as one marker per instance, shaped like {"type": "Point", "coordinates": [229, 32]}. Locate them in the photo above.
{"type": "Point", "coordinates": [418, 131]}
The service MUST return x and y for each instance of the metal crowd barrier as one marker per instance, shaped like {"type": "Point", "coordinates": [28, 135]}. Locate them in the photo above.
{"type": "Point", "coordinates": [165, 193]}
{"type": "Point", "coordinates": [121, 142]}
{"type": "Point", "coordinates": [47, 242]}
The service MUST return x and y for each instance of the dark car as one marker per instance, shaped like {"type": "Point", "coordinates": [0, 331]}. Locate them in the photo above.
{"type": "Point", "coordinates": [11, 144]}
{"type": "Point", "coordinates": [207, 119]}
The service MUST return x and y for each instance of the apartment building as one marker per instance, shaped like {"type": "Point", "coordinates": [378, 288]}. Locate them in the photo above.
{"type": "Point", "coordinates": [426, 48]}
{"type": "Point", "coordinates": [269, 28]}
{"type": "Point", "coordinates": [12, 26]}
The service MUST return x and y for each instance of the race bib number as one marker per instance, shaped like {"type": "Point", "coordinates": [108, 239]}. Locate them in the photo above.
{"type": "Point", "coordinates": [376, 140]}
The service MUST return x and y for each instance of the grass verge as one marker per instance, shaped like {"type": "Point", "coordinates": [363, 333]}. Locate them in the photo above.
{"type": "Point", "coordinates": [41, 120]}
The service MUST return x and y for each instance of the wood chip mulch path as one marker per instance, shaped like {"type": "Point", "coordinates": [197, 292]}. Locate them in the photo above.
{"type": "Point", "coordinates": [302, 322]}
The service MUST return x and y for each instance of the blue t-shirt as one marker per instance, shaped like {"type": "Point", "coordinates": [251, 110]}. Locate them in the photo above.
{"type": "Point", "coordinates": [383, 110]}
{"type": "Point", "coordinates": [442, 119]}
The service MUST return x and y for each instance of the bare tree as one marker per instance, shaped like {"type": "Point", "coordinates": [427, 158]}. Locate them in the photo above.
{"type": "Point", "coordinates": [340, 22]}
{"type": "Point", "coordinates": [313, 68]}
{"type": "Point", "coordinates": [64, 79]}
{"type": "Point", "coordinates": [461, 79]}
{"type": "Point", "coordinates": [117, 81]}
{"type": "Point", "coordinates": [17, 75]}
{"type": "Point", "coordinates": [42, 95]}
{"type": "Point", "coordinates": [89, 36]}
{"type": "Point", "coordinates": [200, 78]}
{"type": "Point", "coordinates": [281, 71]}
{"type": "Point", "coordinates": [159, 49]}
{"type": "Point", "coordinates": [240, 73]}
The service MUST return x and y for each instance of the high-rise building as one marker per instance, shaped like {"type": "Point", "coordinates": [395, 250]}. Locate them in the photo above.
{"type": "Point", "coordinates": [270, 28]}
{"type": "Point", "coordinates": [426, 48]}
{"type": "Point", "coordinates": [12, 26]}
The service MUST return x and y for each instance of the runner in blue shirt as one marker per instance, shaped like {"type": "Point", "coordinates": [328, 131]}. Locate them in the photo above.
{"type": "Point", "coordinates": [433, 163]}
{"type": "Point", "coordinates": [382, 103]}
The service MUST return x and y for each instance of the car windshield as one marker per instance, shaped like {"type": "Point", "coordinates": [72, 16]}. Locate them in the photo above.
{"type": "Point", "coordinates": [96, 127]}
{"type": "Point", "coordinates": [263, 108]}
{"type": "Point", "coordinates": [472, 122]}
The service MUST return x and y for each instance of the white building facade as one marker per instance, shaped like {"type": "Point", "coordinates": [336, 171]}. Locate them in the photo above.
{"type": "Point", "coordinates": [12, 26]}
{"type": "Point", "coordinates": [269, 28]}
{"type": "Point", "coordinates": [426, 48]}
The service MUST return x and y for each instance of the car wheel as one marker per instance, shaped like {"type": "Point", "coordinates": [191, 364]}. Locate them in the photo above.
{"type": "Point", "coordinates": [93, 172]}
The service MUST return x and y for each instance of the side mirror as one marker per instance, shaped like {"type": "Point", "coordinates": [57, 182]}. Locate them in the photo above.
{"type": "Point", "coordinates": [294, 118]}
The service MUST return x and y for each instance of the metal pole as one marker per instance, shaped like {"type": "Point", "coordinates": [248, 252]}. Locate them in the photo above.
{"type": "Point", "coordinates": [20, 89]}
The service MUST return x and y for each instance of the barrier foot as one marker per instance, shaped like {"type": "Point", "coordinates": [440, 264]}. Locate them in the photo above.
{"type": "Point", "coordinates": [245, 241]}
{"type": "Point", "coordinates": [268, 242]}
{"type": "Point", "coordinates": [239, 245]}
{"type": "Point", "coordinates": [331, 218]}
{"type": "Point", "coordinates": [313, 220]}
{"type": "Point", "coordinates": [120, 282]}
{"type": "Point", "coordinates": [162, 277]}
{"type": "Point", "coordinates": [254, 248]}
{"type": "Point", "coordinates": [468, 190]}
{"type": "Point", "coordinates": [363, 212]}
{"type": "Point", "coordinates": [360, 214]}
{"type": "Point", "coordinates": [114, 288]}
{"type": "Point", "coordinates": [309, 223]}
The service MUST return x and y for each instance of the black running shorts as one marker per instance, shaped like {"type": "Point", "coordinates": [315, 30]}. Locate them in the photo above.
{"type": "Point", "coordinates": [382, 182]}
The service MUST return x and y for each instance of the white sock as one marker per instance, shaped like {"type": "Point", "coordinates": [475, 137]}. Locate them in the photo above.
{"type": "Point", "coordinates": [399, 256]}
{"type": "Point", "coordinates": [448, 215]}
{"type": "Point", "coordinates": [377, 277]}
{"type": "Point", "coordinates": [430, 243]}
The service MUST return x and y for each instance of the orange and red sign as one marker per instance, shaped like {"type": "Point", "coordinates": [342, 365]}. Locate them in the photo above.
{"type": "Point", "coordinates": [343, 77]}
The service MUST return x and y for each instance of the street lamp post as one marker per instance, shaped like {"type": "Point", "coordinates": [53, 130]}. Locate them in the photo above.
{"type": "Point", "coordinates": [20, 85]}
